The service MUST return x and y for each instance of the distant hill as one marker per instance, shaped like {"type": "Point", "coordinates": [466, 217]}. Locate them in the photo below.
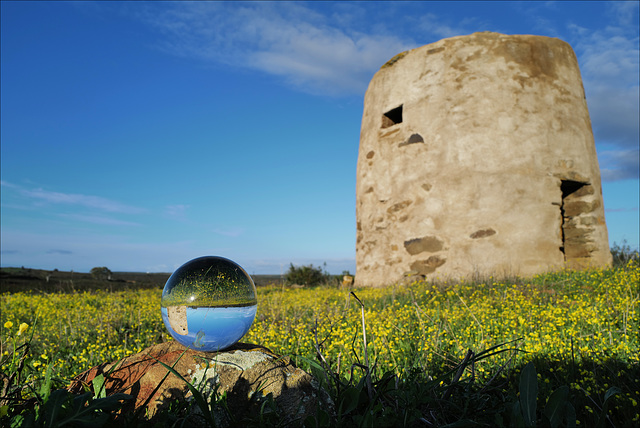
{"type": "Point", "coordinates": [13, 280]}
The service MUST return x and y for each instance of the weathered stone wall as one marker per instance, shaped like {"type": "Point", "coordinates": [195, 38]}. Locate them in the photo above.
{"type": "Point", "coordinates": [477, 158]}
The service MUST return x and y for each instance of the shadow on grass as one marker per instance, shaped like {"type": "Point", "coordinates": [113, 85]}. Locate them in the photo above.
{"type": "Point", "coordinates": [544, 392]}
{"type": "Point", "coordinates": [601, 392]}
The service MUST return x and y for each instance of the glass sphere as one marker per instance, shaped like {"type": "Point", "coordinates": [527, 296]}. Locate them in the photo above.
{"type": "Point", "coordinates": [209, 303]}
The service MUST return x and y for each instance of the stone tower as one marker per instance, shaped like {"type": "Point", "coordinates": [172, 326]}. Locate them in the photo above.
{"type": "Point", "coordinates": [477, 158]}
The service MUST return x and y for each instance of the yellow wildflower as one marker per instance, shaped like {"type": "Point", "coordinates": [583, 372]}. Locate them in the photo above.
{"type": "Point", "coordinates": [23, 327]}
{"type": "Point", "coordinates": [8, 324]}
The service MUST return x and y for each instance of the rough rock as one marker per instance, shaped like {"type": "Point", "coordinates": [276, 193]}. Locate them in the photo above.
{"type": "Point", "coordinates": [246, 373]}
{"type": "Point", "coordinates": [477, 158]}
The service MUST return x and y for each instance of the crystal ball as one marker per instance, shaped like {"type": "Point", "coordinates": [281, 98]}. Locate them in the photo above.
{"type": "Point", "coordinates": [209, 303]}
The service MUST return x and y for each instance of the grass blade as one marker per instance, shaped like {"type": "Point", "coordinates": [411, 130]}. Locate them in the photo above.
{"type": "Point", "coordinates": [611, 392]}
{"type": "Point", "coordinates": [555, 408]}
{"type": "Point", "coordinates": [99, 388]}
{"type": "Point", "coordinates": [528, 394]}
{"type": "Point", "coordinates": [200, 400]}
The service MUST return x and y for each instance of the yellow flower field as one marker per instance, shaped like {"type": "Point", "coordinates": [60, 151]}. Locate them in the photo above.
{"type": "Point", "coordinates": [577, 327]}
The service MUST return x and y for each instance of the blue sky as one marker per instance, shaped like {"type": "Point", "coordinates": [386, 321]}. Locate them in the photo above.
{"type": "Point", "coordinates": [139, 135]}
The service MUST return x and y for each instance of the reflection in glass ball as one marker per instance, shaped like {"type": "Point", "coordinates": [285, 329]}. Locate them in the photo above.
{"type": "Point", "coordinates": [209, 303]}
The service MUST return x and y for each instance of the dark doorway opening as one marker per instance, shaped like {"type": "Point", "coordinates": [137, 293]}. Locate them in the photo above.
{"type": "Point", "coordinates": [573, 239]}
{"type": "Point", "coordinates": [392, 117]}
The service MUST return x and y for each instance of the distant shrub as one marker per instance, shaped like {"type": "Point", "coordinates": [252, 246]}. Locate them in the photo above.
{"type": "Point", "coordinates": [623, 254]}
{"type": "Point", "coordinates": [306, 275]}
{"type": "Point", "coordinates": [101, 273]}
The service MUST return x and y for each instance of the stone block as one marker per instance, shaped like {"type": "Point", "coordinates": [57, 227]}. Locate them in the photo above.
{"type": "Point", "coordinates": [245, 373]}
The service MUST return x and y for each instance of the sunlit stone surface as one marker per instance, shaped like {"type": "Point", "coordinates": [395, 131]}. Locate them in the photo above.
{"type": "Point", "coordinates": [477, 160]}
{"type": "Point", "coordinates": [209, 303]}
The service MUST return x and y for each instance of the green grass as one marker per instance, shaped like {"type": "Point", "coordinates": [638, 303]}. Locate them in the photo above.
{"type": "Point", "coordinates": [520, 352]}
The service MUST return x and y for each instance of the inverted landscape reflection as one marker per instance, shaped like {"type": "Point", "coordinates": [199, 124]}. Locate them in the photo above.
{"type": "Point", "coordinates": [209, 303]}
{"type": "Point", "coordinates": [214, 329]}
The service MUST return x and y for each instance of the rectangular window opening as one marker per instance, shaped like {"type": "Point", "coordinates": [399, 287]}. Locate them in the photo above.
{"type": "Point", "coordinates": [392, 117]}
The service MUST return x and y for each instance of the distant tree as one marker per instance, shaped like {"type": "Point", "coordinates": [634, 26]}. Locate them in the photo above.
{"type": "Point", "coordinates": [306, 275]}
{"type": "Point", "coordinates": [623, 254]}
{"type": "Point", "coordinates": [101, 273]}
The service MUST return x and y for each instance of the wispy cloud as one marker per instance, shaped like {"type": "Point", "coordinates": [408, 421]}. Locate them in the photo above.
{"type": "Point", "coordinates": [336, 52]}
{"type": "Point", "coordinates": [619, 164]}
{"type": "Point", "coordinates": [177, 212]}
{"type": "Point", "coordinates": [610, 64]}
{"type": "Point", "coordinates": [625, 12]}
{"type": "Point", "coordinates": [438, 27]}
{"type": "Point", "coordinates": [284, 39]}
{"type": "Point", "coordinates": [621, 210]}
{"type": "Point", "coordinates": [102, 204]}
{"type": "Point", "coordinates": [98, 219]}
{"type": "Point", "coordinates": [89, 201]}
{"type": "Point", "coordinates": [608, 56]}
{"type": "Point", "coordinates": [8, 185]}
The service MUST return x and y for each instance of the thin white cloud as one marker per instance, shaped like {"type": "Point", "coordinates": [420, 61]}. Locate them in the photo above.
{"type": "Point", "coordinates": [284, 39]}
{"type": "Point", "coordinates": [335, 53]}
{"type": "Point", "coordinates": [7, 184]}
{"type": "Point", "coordinates": [621, 210]}
{"type": "Point", "coordinates": [537, 14]}
{"type": "Point", "coordinates": [625, 12]}
{"type": "Point", "coordinates": [619, 164]}
{"type": "Point", "coordinates": [436, 26]}
{"type": "Point", "coordinates": [176, 212]}
{"type": "Point", "coordinates": [97, 219]}
{"type": "Point", "coordinates": [610, 64]}
{"type": "Point", "coordinates": [42, 196]}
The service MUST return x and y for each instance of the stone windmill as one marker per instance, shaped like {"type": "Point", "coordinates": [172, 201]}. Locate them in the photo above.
{"type": "Point", "coordinates": [477, 158]}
